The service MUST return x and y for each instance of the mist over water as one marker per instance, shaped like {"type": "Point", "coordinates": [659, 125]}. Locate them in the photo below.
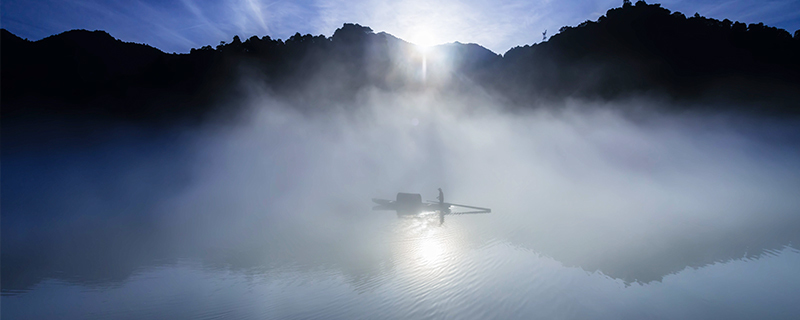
{"type": "Point", "coordinates": [597, 209]}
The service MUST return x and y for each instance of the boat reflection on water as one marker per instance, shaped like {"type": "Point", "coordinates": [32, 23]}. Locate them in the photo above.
{"type": "Point", "coordinates": [363, 264]}
{"type": "Point", "coordinates": [410, 204]}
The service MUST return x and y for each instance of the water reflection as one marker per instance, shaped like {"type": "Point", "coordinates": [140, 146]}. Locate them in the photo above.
{"type": "Point", "coordinates": [421, 241]}
{"type": "Point", "coordinates": [495, 279]}
{"type": "Point", "coordinates": [366, 247]}
{"type": "Point", "coordinates": [260, 214]}
{"type": "Point", "coordinates": [633, 251]}
{"type": "Point", "coordinates": [404, 267]}
{"type": "Point", "coordinates": [108, 251]}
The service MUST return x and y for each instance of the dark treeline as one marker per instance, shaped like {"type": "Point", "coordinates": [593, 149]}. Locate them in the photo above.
{"type": "Point", "coordinates": [641, 49]}
{"type": "Point", "coordinates": [634, 50]}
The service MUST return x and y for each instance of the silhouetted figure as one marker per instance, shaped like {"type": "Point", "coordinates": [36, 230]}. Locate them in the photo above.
{"type": "Point", "coordinates": [410, 204]}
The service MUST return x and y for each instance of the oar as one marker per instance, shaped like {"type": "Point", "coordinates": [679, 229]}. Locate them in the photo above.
{"type": "Point", "coordinates": [469, 212]}
{"type": "Point", "coordinates": [465, 206]}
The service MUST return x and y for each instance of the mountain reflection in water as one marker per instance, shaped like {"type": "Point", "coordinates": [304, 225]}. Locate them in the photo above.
{"type": "Point", "coordinates": [403, 268]}
{"type": "Point", "coordinates": [255, 226]}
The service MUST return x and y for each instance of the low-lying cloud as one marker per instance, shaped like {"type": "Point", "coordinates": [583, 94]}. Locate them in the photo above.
{"type": "Point", "coordinates": [636, 195]}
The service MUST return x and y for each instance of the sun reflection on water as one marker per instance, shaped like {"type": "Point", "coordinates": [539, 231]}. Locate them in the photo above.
{"type": "Point", "coordinates": [430, 250]}
{"type": "Point", "coordinates": [424, 245]}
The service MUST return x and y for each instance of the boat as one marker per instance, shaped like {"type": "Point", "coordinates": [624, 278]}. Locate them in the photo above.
{"type": "Point", "coordinates": [410, 204]}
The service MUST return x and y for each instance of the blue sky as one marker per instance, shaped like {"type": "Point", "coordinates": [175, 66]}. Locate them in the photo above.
{"type": "Point", "coordinates": [179, 25]}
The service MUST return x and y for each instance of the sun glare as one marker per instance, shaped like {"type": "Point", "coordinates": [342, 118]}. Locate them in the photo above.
{"type": "Point", "coordinates": [421, 49]}
{"type": "Point", "coordinates": [431, 251]}
{"type": "Point", "coordinates": [422, 39]}
{"type": "Point", "coordinates": [428, 247]}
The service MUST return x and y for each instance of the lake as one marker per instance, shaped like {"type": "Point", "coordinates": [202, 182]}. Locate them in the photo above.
{"type": "Point", "coordinates": [593, 216]}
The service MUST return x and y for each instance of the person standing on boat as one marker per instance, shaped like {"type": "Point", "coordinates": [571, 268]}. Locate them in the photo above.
{"type": "Point", "coordinates": [441, 206]}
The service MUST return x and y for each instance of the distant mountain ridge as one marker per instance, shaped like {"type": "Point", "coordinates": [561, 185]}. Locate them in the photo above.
{"type": "Point", "coordinates": [634, 50]}
{"type": "Point", "coordinates": [640, 48]}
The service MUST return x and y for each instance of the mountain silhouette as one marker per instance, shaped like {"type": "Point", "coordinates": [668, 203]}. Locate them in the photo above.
{"type": "Point", "coordinates": [646, 48]}
{"type": "Point", "coordinates": [633, 50]}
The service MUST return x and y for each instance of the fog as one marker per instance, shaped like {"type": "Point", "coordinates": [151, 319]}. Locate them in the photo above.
{"type": "Point", "coordinates": [616, 188]}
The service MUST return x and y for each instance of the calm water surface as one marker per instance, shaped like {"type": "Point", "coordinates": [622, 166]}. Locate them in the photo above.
{"type": "Point", "coordinates": [609, 222]}
{"type": "Point", "coordinates": [401, 268]}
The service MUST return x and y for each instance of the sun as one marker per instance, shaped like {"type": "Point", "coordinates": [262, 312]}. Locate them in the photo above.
{"type": "Point", "coordinates": [422, 49]}
{"type": "Point", "coordinates": [422, 40]}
